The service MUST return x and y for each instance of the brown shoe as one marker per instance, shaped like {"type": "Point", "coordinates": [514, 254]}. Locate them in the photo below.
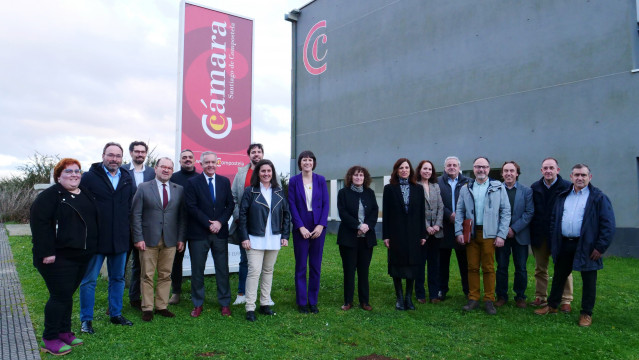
{"type": "Point", "coordinates": [226, 311]}
{"type": "Point", "coordinates": [585, 320]}
{"type": "Point", "coordinates": [565, 308]}
{"type": "Point", "coordinates": [546, 310]}
{"type": "Point", "coordinates": [147, 316]}
{"type": "Point", "coordinates": [347, 307]}
{"type": "Point", "coordinates": [165, 313]}
{"type": "Point", "coordinates": [435, 301]}
{"type": "Point", "coordinates": [539, 302]}
{"type": "Point", "coordinates": [520, 303]}
{"type": "Point", "coordinates": [500, 302]}
{"type": "Point", "coordinates": [366, 307]}
{"type": "Point", "coordinates": [421, 301]}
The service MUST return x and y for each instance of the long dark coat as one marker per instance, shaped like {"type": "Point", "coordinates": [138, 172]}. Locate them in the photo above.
{"type": "Point", "coordinates": [404, 230]}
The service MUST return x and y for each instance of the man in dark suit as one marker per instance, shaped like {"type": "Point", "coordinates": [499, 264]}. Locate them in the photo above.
{"type": "Point", "coordinates": [518, 238]}
{"type": "Point", "coordinates": [139, 173]}
{"type": "Point", "coordinates": [158, 221]}
{"type": "Point", "coordinates": [187, 171]}
{"type": "Point", "coordinates": [113, 191]}
{"type": "Point", "coordinates": [210, 205]}
{"type": "Point", "coordinates": [450, 184]}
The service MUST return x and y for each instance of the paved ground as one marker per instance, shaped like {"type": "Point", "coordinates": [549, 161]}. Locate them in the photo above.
{"type": "Point", "coordinates": [17, 338]}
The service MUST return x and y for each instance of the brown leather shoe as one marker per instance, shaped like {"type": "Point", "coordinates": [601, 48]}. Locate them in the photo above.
{"type": "Point", "coordinates": [165, 313]}
{"type": "Point", "coordinates": [226, 311]}
{"type": "Point", "coordinates": [585, 320]}
{"type": "Point", "coordinates": [175, 299]}
{"type": "Point", "coordinates": [421, 301]}
{"type": "Point", "coordinates": [520, 303]}
{"type": "Point", "coordinates": [500, 302]}
{"type": "Point", "coordinates": [565, 308]}
{"type": "Point", "coordinates": [366, 307]}
{"type": "Point", "coordinates": [546, 310]}
{"type": "Point", "coordinates": [539, 302]}
{"type": "Point", "coordinates": [347, 307]}
{"type": "Point", "coordinates": [435, 301]}
{"type": "Point", "coordinates": [196, 311]}
{"type": "Point", "coordinates": [147, 316]}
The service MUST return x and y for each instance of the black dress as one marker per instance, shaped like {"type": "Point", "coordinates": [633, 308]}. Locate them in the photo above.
{"type": "Point", "coordinates": [404, 227]}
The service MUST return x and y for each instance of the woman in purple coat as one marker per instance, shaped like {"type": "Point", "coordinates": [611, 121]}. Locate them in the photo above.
{"type": "Point", "coordinates": [308, 200]}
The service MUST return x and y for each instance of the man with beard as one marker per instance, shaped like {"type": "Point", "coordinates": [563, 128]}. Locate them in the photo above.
{"type": "Point", "coordinates": [113, 191]}
{"type": "Point", "coordinates": [485, 202]}
{"type": "Point", "coordinates": [139, 173]}
{"type": "Point", "coordinates": [187, 171]}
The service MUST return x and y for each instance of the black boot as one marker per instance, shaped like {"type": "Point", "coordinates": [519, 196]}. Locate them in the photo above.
{"type": "Point", "coordinates": [408, 299]}
{"type": "Point", "coordinates": [399, 305]}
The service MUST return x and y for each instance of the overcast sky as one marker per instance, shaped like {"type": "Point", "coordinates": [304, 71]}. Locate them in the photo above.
{"type": "Point", "coordinates": [76, 74]}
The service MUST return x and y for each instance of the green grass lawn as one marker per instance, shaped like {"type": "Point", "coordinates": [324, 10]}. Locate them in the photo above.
{"type": "Point", "coordinates": [440, 331]}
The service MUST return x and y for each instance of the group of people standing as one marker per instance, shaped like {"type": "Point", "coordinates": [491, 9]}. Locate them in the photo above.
{"type": "Point", "coordinates": [153, 214]}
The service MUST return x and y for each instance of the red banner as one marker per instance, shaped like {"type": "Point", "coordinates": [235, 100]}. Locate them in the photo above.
{"type": "Point", "coordinates": [217, 74]}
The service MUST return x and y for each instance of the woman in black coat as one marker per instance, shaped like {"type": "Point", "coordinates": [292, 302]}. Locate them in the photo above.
{"type": "Point", "coordinates": [404, 229]}
{"type": "Point", "coordinates": [358, 212]}
{"type": "Point", "coordinates": [64, 226]}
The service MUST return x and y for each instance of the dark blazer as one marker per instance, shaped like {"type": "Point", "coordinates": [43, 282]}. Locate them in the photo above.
{"type": "Point", "coordinates": [544, 202]}
{"type": "Point", "coordinates": [521, 214]}
{"type": "Point", "coordinates": [597, 229]}
{"type": "Point", "coordinates": [254, 212]}
{"type": "Point", "coordinates": [57, 225]}
{"type": "Point", "coordinates": [348, 207]}
{"type": "Point", "coordinates": [149, 220]}
{"type": "Point", "coordinates": [319, 202]}
{"type": "Point", "coordinates": [147, 175]}
{"type": "Point", "coordinates": [114, 207]}
{"type": "Point", "coordinates": [449, 228]}
{"type": "Point", "coordinates": [201, 208]}
{"type": "Point", "coordinates": [405, 230]}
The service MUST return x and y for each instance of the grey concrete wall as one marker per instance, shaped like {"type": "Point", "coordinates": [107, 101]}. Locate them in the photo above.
{"type": "Point", "coordinates": [508, 80]}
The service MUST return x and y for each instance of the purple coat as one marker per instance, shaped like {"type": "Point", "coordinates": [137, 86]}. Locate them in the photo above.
{"type": "Point", "coordinates": [297, 201]}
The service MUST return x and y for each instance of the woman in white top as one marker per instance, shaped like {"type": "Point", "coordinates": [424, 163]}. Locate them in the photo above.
{"type": "Point", "coordinates": [264, 227]}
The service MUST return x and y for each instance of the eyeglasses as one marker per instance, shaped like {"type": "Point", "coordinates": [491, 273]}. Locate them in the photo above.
{"type": "Point", "coordinates": [116, 156]}
{"type": "Point", "coordinates": [72, 171]}
{"type": "Point", "coordinates": [481, 167]}
{"type": "Point", "coordinates": [167, 168]}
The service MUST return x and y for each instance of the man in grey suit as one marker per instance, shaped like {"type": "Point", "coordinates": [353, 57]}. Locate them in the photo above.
{"type": "Point", "coordinates": [158, 220]}
{"type": "Point", "coordinates": [139, 173]}
{"type": "Point", "coordinates": [518, 238]}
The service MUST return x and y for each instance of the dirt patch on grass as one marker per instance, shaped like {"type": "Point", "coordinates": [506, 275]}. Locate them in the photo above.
{"type": "Point", "coordinates": [375, 357]}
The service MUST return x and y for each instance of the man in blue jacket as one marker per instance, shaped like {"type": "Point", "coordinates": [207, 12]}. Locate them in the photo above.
{"type": "Point", "coordinates": [113, 191]}
{"type": "Point", "coordinates": [582, 226]}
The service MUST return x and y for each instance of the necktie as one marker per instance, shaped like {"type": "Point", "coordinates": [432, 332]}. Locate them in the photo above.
{"type": "Point", "coordinates": [212, 189]}
{"type": "Point", "coordinates": [165, 196]}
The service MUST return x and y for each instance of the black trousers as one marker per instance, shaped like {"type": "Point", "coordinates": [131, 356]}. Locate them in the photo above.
{"type": "Point", "coordinates": [563, 268]}
{"type": "Point", "coordinates": [62, 279]}
{"type": "Point", "coordinates": [199, 250]}
{"type": "Point", "coordinates": [356, 259]}
{"type": "Point", "coordinates": [176, 272]}
{"type": "Point", "coordinates": [134, 285]}
{"type": "Point", "coordinates": [444, 268]}
{"type": "Point", "coordinates": [430, 255]}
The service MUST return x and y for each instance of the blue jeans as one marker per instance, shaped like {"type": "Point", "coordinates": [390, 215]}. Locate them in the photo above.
{"type": "Point", "coordinates": [115, 266]}
{"type": "Point", "coordinates": [243, 272]}
{"type": "Point", "coordinates": [520, 257]}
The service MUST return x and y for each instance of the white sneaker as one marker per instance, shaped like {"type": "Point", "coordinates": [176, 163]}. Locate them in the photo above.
{"type": "Point", "coordinates": [239, 300]}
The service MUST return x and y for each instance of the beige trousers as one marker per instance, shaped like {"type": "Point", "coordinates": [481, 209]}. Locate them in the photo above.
{"type": "Point", "coordinates": [542, 259]}
{"type": "Point", "coordinates": [158, 258]}
{"type": "Point", "coordinates": [259, 262]}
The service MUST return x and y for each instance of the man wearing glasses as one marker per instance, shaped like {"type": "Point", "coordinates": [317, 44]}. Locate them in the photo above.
{"type": "Point", "coordinates": [485, 202]}
{"type": "Point", "coordinates": [113, 191]}
{"type": "Point", "coordinates": [139, 173]}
